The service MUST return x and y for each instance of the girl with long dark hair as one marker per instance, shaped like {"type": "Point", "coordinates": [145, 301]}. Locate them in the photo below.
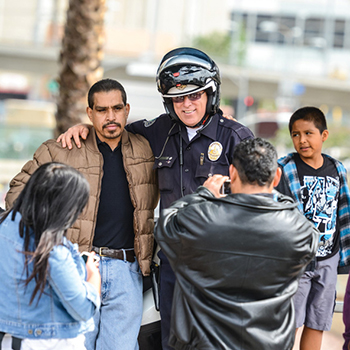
{"type": "Point", "coordinates": [47, 295]}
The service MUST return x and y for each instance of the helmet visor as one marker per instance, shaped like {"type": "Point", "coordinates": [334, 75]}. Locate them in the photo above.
{"type": "Point", "coordinates": [183, 90]}
{"type": "Point", "coordinates": [185, 80]}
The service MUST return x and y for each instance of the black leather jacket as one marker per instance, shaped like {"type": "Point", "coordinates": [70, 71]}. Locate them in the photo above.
{"type": "Point", "coordinates": [237, 261]}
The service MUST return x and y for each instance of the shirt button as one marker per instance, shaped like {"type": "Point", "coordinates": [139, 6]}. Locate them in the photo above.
{"type": "Point", "coordinates": [221, 120]}
{"type": "Point", "coordinates": [38, 332]}
{"type": "Point", "coordinates": [160, 164]}
{"type": "Point", "coordinates": [187, 170]}
{"type": "Point", "coordinates": [30, 331]}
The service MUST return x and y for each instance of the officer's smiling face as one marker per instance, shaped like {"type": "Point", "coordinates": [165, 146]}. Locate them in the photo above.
{"type": "Point", "coordinates": [191, 112]}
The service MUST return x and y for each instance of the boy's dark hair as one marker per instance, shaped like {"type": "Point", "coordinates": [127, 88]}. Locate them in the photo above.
{"type": "Point", "coordinates": [255, 161]}
{"type": "Point", "coordinates": [49, 204]}
{"type": "Point", "coordinates": [311, 114]}
{"type": "Point", "coordinates": [105, 85]}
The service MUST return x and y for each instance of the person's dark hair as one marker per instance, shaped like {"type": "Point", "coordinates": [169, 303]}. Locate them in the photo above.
{"type": "Point", "coordinates": [49, 204]}
{"type": "Point", "coordinates": [255, 161]}
{"type": "Point", "coordinates": [105, 85]}
{"type": "Point", "coordinates": [311, 114]}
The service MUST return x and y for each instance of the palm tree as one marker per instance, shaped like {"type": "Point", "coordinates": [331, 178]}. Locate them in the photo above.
{"type": "Point", "coordinates": [80, 60]}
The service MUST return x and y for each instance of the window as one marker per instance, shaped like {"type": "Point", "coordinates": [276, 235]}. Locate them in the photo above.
{"type": "Point", "coordinates": [339, 31]}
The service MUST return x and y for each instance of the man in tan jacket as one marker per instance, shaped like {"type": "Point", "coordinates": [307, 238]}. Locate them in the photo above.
{"type": "Point", "coordinates": [118, 221]}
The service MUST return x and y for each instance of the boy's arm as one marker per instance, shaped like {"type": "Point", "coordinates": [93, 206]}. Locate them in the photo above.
{"type": "Point", "coordinates": [283, 186]}
{"type": "Point", "coordinates": [41, 156]}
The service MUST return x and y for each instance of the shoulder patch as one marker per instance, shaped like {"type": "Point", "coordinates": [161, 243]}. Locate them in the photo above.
{"type": "Point", "coordinates": [241, 130]}
{"type": "Point", "coordinates": [148, 123]}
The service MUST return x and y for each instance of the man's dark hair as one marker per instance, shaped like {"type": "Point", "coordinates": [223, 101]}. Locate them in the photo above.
{"type": "Point", "coordinates": [255, 161]}
{"type": "Point", "coordinates": [105, 85]}
{"type": "Point", "coordinates": [311, 114]}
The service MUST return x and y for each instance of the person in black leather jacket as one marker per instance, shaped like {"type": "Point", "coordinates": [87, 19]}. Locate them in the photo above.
{"type": "Point", "coordinates": [237, 258]}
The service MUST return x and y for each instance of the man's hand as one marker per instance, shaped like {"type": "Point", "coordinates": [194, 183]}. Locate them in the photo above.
{"type": "Point", "coordinates": [74, 132]}
{"type": "Point", "coordinates": [214, 184]}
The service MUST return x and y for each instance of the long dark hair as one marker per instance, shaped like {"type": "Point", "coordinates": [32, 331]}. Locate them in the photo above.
{"type": "Point", "coordinates": [49, 204]}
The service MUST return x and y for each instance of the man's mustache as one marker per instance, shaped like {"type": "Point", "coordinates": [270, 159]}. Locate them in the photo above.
{"type": "Point", "coordinates": [112, 123]}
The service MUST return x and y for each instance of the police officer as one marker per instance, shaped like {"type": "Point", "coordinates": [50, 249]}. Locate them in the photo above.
{"type": "Point", "coordinates": [190, 142]}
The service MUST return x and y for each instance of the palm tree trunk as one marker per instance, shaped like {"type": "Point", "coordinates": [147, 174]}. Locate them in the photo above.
{"type": "Point", "coordinates": [80, 60]}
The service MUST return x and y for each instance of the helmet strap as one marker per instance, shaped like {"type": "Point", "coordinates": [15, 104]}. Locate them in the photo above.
{"type": "Point", "coordinates": [202, 122]}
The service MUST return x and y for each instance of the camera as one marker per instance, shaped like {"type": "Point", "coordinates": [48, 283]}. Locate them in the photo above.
{"type": "Point", "coordinates": [226, 187]}
{"type": "Point", "coordinates": [85, 256]}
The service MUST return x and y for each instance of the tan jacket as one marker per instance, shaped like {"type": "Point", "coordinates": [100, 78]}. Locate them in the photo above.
{"type": "Point", "coordinates": [138, 164]}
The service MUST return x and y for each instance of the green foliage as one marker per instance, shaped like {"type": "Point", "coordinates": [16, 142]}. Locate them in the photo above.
{"type": "Point", "coordinates": [221, 46]}
{"type": "Point", "coordinates": [339, 138]}
{"type": "Point", "coordinates": [20, 142]}
{"type": "Point", "coordinates": [283, 138]}
{"type": "Point", "coordinates": [241, 45]}
{"type": "Point", "coordinates": [216, 45]}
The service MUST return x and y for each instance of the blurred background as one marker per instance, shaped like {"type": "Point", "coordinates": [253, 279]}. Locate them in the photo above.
{"type": "Point", "coordinates": [274, 56]}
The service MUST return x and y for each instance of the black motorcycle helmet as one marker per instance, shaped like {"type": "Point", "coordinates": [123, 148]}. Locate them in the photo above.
{"type": "Point", "coordinates": [187, 70]}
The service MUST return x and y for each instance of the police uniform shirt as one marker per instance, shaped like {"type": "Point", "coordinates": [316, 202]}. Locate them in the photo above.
{"type": "Point", "coordinates": [183, 165]}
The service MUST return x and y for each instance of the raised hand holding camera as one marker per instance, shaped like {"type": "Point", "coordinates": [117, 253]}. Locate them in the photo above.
{"type": "Point", "coordinates": [216, 183]}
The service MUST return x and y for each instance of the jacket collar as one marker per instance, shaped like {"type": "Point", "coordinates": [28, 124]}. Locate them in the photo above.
{"type": "Point", "coordinates": [125, 139]}
{"type": "Point", "coordinates": [91, 140]}
{"type": "Point", "coordinates": [254, 201]}
{"type": "Point", "coordinates": [208, 130]}
{"type": "Point", "coordinates": [279, 202]}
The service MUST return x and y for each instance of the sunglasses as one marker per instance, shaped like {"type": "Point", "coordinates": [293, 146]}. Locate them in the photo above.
{"type": "Point", "coordinates": [192, 97]}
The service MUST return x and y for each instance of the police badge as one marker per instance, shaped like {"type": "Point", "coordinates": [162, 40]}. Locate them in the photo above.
{"type": "Point", "coordinates": [214, 151]}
